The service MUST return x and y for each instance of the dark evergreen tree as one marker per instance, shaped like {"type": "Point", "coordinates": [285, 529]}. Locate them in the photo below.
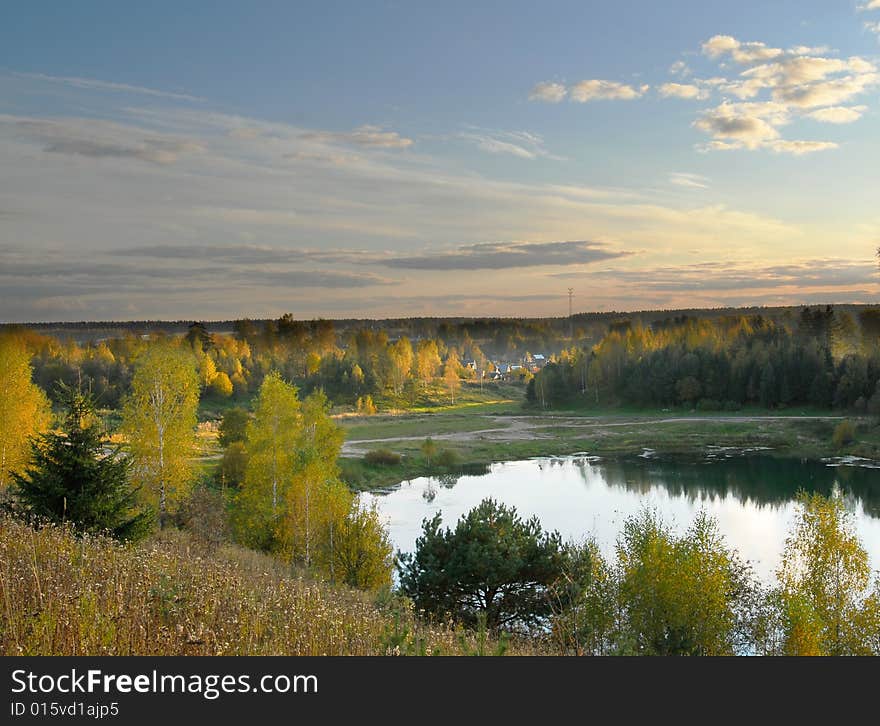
{"type": "Point", "coordinates": [73, 478]}
{"type": "Point", "coordinates": [493, 565]}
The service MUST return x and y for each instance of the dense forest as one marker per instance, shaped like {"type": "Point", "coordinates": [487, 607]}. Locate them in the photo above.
{"type": "Point", "coordinates": [824, 359]}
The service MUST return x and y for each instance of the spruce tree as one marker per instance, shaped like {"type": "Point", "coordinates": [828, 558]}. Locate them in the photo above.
{"type": "Point", "coordinates": [72, 478]}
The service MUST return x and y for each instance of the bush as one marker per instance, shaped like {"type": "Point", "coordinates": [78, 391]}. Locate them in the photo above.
{"type": "Point", "coordinates": [381, 457]}
{"type": "Point", "coordinates": [732, 406]}
{"type": "Point", "coordinates": [844, 433]}
{"type": "Point", "coordinates": [448, 458]}
{"type": "Point", "coordinates": [708, 404]}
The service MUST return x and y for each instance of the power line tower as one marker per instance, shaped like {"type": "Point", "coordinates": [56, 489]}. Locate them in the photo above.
{"type": "Point", "coordinates": [570, 319]}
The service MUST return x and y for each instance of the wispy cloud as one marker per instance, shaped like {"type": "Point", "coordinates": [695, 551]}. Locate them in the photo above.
{"type": "Point", "coordinates": [372, 137]}
{"type": "Point", "coordinates": [688, 180]}
{"type": "Point", "coordinates": [92, 84]}
{"type": "Point", "coordinates": [838, 114]}
{"type": "Point", "coordinates": [499, 256]}
{"type": "Point", "coordinates": [522, 144]}
{"type": "Point", "coordinates": [101, 139]}
{"type": "Point", "coordinates": [681, 69]}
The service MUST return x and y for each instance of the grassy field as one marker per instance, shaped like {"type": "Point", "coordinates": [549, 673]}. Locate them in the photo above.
{"type": "Point", "coordinates": [63, 595]}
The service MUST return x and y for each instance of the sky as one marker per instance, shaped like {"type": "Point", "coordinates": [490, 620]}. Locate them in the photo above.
{"type": "Point", "coordinates": [389, 159]}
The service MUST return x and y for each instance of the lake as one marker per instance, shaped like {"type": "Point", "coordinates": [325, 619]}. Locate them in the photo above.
{"type": "Point", "coordinates": [751, 496]}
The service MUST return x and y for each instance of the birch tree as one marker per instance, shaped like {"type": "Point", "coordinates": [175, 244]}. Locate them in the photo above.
{"type": "Point", "coordinates": [159, 420]}
{"type": "Point", "coordinates": [272, 437]}
{"type": "Point", "coordinates": [24, 408]}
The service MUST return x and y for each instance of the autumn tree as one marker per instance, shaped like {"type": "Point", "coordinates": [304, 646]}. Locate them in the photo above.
{"type": "Point", "coordinates": [427, 360]}
{"type": "Point", "coordinates": [357, 550]}
{"type": "Point", "coordinates": [451, 375]}
{"type": "Point", "coordinates": [827, 605]}
{"type": "Point", "coordinates": [680, 595]}
{"type": "Point", "coordinates": [399, 361]}
{"type": "Point", "coordinates": [292, 501]}
{"type": "Point", "coordinates": [314, 483]}
{"type": "Point", "coordinates": [24, 408]}
{"type": "Point", "coordinates": [159, 420]}
{"type": "Point", "coordinates": [272, 437]}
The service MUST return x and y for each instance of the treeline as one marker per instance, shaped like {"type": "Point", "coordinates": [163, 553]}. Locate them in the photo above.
{"type": "Point", "coordinates": [348, 367]}
{"type": "Point", "coordinates": [823, 358]}
{"type": "Point", "coordinates": [662, 593]}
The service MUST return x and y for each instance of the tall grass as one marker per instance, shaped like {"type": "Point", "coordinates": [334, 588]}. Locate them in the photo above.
{"type": "Point", "coordinates": [66, 595]}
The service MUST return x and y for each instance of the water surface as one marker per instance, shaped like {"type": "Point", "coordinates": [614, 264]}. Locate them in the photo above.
{"type": "Point", "coordinates": [752, 498]}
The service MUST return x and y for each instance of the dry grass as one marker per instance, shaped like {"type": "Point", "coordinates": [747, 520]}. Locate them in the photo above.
{"type": "Point", "coordinates": [67, 595]}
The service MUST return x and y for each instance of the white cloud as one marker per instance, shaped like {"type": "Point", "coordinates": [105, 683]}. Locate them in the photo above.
{"type": "Point", "coordinates": [688, 180]}
{"type": "Point", "coordinates": [683, 90]}
{"type": "Point", "coordinates": [523, 144]}
{"type": "Point", "coordinates": [548, 92]}
{"type": "Point", "coordinates": [374, 137]}
{"type": "Point", "coordinates": [599, 90]}
{"type": "Point", "coordinates": [873, 27]}
{"type": "Point", "coordinates": [826, 93]}
{"type": "Point", "coordinates": [798, 148]}
{"type": "Point", "coordinates": [870, 5]}
{"type": "Point", "coordinates": [680, 68]}
{"type": "Point", "coordinates": [838, 114]}
{"type": "Point", "coordinates": [743, 124]}
{"type": "Point", "coordinates": [778, 86]}
{"type": "Point", "coordinates": [743, 53]}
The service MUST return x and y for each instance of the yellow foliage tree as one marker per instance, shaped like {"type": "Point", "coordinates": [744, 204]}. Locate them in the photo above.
{"type": "Point", "coordinates": [272, 439]}
{"type": "Point", "coordinates": [314, 499]}
{"type": "Point", "coordinates": [159, 420]}
{"type": "Point", "coordinates": [24, 408]}
{"type": "Point", "coordinates": [825, 584]}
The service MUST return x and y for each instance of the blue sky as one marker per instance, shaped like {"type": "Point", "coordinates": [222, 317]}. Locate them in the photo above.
{"type": "Point", "coordinates": [213, 160]}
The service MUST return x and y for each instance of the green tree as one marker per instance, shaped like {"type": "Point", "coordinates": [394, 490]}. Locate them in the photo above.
{"type": "Point", "coordinates": [233, 465]}
{"type": "Point", "coordinates": [357, 551]}
{"type": "Point", "coordinates": [72, 479]}
{"type": "Point", "coordinates": [492, 565]}
{"type": "Point", "coordinates": [24, 408]}
{"type": "Point", "coordinates": [159, 420]}
{"type": "Point", "coordinates": [314, 498]}
{"type": "Point", "coordinates": [272, 437]}
{"type": "Point", "coordinates": [687, 595]}
{"type": "Point", "coordinates": [233, 426]}
{"type": "Point", "coordinates": [825, 591]}
{"type": "Point", "coordinates": [429, 449]}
